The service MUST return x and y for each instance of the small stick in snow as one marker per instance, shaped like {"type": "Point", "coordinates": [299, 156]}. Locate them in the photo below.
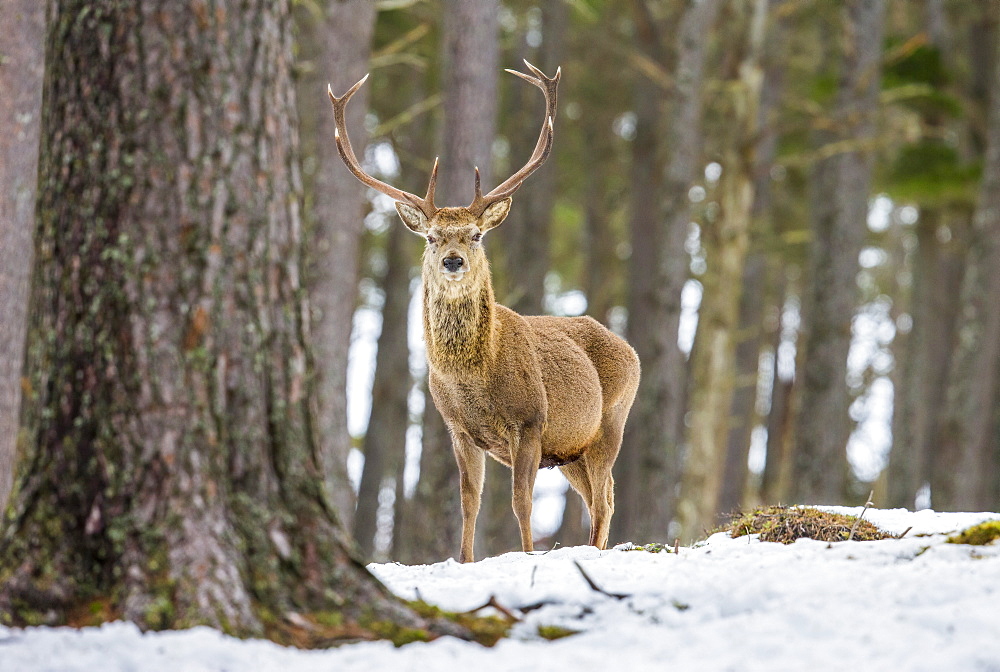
{"type": "Point", "coordinates": [597, 588]}
{"type": "Point", "coordinates": [858, 521]}
{"type": "Point", "coordinates": [533, 570]}
{"type": "Point", "coordinates": [492, 602]}
{"type": "Point", "coordinates": [903, 533]}
{"type": "Point", "coordinates": [677, 546]}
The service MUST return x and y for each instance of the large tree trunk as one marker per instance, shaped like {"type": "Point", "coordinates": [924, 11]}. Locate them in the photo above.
{"type": "Point", "coordinates": [173, 472]}
{"type": "Point", "coordinates": [336, 48]}
{"type": "Point", "coordinates": [839, 200]}
{"type": "Point", "coordinates": [21, 75]}
{"type": "Point", "coordinates": [726, 241]}
{"type": "Point", "coordinates": [648, 470]}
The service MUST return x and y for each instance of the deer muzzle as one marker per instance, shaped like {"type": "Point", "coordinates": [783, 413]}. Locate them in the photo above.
{"type": "Point", "coordinates": [454, 267]}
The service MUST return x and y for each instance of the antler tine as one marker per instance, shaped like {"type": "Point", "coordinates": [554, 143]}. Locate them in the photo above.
{"type": "Point", "coordinates": [425, 205]}
{"type": "Point", "coordinates": [549, 87]}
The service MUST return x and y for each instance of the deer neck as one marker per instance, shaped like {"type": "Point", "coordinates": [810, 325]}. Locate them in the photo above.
{"type": "Point", "coordinates": [459, 324]}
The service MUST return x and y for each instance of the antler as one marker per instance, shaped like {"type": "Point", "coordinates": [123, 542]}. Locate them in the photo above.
{"type": "Point", "coordinates": [549, 86]}
{"type": "Point", "coordinates": [425, 204]}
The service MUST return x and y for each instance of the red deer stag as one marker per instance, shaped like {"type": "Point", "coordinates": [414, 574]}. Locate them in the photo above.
{"type": "Point", "coordinates": [531, 391]}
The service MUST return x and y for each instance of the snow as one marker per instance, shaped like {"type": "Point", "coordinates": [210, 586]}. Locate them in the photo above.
{"type": "Point", "coordinates": [915, 603]}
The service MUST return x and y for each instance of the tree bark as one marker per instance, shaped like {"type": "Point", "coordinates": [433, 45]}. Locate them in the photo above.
{"type": "Point", "coordinates": [21, 74]}
{"type": "Point", "coordinates": [648, 469]}
{"type": "Point", "coordinates": [726, 241]}
{"type": "Point", "coordinates": [173, 471]}
{"type": "Point", "coordinates": [975, 403]}
{"type": "Point", "coordinates": [839, 200]}
{"type": "Point", "coordinates": [336, 50]}
{"type": "Point", "coordinates": [525, 234]}
{"type": "Point", "coordinates": [385, 439]}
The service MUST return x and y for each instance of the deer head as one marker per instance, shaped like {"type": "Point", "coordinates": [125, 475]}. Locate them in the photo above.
{"type": "Point", "coordinates": [454, 234]}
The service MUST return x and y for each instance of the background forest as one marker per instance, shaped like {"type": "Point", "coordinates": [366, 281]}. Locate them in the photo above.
{"type": "Point", "coordinates": [790, 208]}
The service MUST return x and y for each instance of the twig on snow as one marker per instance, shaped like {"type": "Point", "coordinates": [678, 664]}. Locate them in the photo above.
{"type": "Point", "coordinates": [858, 521]}
{"type": "Point", "coordinates": [597, 588]}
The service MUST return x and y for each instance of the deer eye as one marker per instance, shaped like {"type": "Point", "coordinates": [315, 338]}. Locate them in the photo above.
{"type": "Point", "coordinates": [431, 240]}
{"type": "Point", "coordinates": [477, 237]}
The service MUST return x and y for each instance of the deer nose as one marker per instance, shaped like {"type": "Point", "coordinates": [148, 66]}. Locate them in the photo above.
{"type": "Point", "coordinates": [452, 264]}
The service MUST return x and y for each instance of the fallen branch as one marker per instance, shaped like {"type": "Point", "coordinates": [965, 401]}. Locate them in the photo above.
{"type": "Point", "coordinates": [597, 588]}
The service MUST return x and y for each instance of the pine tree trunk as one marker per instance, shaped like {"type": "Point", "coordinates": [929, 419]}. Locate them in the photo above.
{"type": "Point", "coordinates": [21, 74]}
{"type": "Point", "coordinates": [173, 473]}
{"type": "Point", "coordinates": [840, 189]}
{"type": "Point", "coordinates": [727, 242]}
{"type": "Point", "coordinates": [648, 469]}
{"type": "Point", "coordinates": [918, 443]}
{"type": "Point", "coordinates": [525, 234]}
{"type": "Point", "coordinates": [385, 439]}
{"type": "Point", "coordinates": [974, 407]}
{"type": "Point", "coordinates": [338, 46]}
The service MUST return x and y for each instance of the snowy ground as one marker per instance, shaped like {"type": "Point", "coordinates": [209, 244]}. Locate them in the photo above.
{"type": "Point", "coordinates": [914, 603]}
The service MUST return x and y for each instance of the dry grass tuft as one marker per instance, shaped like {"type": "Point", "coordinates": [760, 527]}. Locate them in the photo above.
{"type": "Point", "coordinates": [785, 524]}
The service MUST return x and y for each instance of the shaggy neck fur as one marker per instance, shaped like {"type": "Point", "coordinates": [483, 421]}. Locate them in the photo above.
{"type": "Point", "coordinates": [459, 322]}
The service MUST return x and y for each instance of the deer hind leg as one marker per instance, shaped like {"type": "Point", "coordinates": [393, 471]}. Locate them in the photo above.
{"type": "Point", "coordinates": [525, 456]}
{"type": "Point", "coordinates": [599, 459]}
{"type": "Point", "coordinates": [579, 480]}
{"type": "Point", "coordinates": [471, 467]}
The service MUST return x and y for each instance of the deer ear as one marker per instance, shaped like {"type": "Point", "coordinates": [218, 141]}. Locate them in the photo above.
{"type": "Point", "coordinates": [414, 219]}
{"type": "Point", "coordinates": [494, 214]}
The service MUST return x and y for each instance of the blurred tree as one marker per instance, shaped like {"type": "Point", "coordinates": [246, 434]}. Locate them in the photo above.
{"type": "Point", "coordinates": [385, 438]}
{"type": "Point", "coordinates": [840, 186]}
{"type": "Point", "coordinates": [759, 303]}
{"type": "Point", "coordinates": [172, 472]}
{"type": "Point", "coordinates": [974, 413]}
{"type": "Point", "coordinates": [22, 61]}
{"type": "Point", "coordinates": [664, 167]}
{"type": "Point", "coordinates": [334, 41]}
{"type": "Point", "coordinates": [525, 235]}
{"type": "Point", "coordinates": [931, 173]}
{"type": "Point", "coordinates": [725, 237]}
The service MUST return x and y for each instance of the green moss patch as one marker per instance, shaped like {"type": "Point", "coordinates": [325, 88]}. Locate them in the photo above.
{"type": "Point", "coordinates": [978, 535]}
{"type": "Point", "coordinates": [551, 632]}
{"type": "Point", "coordinates": [653, 547]}
{"type": "Point", "coordinates": [785, 524]}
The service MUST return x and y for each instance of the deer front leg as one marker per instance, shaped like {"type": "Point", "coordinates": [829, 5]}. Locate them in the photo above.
{"type": "Point", "coordinates": [471, 467]}
{"type": "Point", "coordinates": [526, 454]}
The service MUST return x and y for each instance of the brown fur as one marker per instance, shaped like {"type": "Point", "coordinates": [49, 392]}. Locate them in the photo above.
{"type": "Point", "coordinates": [530, 391]}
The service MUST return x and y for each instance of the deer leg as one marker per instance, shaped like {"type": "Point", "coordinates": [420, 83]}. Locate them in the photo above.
{"type": "Point", "coordinates": [471, 468]}
{"type": "Point", "coordinates": [525, 457]}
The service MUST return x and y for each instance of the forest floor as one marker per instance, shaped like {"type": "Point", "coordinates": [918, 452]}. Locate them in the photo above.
{"type": "Point", "coordinates": [913, 603]}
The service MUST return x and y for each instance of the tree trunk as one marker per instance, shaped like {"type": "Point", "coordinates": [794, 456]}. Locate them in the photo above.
{"type": "Point", "coordinates": [975, 403]}
{"type": "Point", "coordinates": [337, 48]}
{"type": "Point", "coordinates": [525, 234]}
{"type": "Point", "coordinates": [923, 382]}
{"type": "Point", "coordinates": [173, 471]}
{"type": "Point", "coordinates": [840, 186]}
{"type": "Point", "coordinates": [648, 469]}
{"type": "Point", "coordinates": [726, 242]}
{"type": "Point", "coordinates": [385, 439]}
{"type": "Point", "coordinates": [21, 74]}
